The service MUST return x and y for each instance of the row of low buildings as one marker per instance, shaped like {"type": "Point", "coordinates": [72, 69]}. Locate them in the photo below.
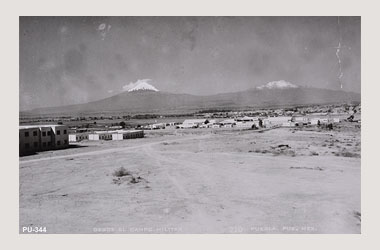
{"type": "Point", "coordinates": [161, 125]}
{"type": "Point", "coordinates": [115, 135]}
{"type": "Point", "coordinates": [244, 122]}
{"type": "Point", "coordinates": [36, 138]}
{"type": "Point", "coordinates": [251, 122]}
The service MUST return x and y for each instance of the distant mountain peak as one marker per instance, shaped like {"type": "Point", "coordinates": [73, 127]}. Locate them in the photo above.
{"type": "Point", "coordinates": [278, 85]}
{"type": "Point", "coordinates": [142, 85]}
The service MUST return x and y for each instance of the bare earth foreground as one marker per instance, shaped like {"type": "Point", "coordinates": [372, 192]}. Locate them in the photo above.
{"type": "Point", "coordinates": [283, 180]}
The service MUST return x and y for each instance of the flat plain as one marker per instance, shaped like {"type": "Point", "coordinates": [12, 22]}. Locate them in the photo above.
{"type": "Point", "coordinates": [284, 180]}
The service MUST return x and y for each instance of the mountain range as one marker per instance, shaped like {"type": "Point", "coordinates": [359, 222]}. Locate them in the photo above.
{"type": "Point", "coordinates": [145, 98]}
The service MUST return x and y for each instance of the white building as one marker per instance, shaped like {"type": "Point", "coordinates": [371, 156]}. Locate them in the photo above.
{"type": "Point", "coordinates": [278, 120]}
{"type": "Point", "coordinates": [288, 124]}
{"type": "Point", "coordinates": [267, 123]}
{"type": "Point", "coordinates": [247, 124]}
{"type": "Point", "coordinates": [324, 120]}
{"type": "Point", "coordinates": [335, 120]}
{"type": "Point", "coordinates": [192, 123]}
{"type": "Point", "coordinates": [78, 137]}
{"type": "Point", "coordinates": [314, 121]}
{"type": "Point", "coordinates": [93, 137]}
{"type": "Point", "coordinates": [300, 119]}
{"type": "Point", "coordinates": [116, 135]}
{"type": "Point", "coordinates": [205, 125]}
{"type": "Point", "coordinates": [246, 119]}
{"type": "Point", "coordinates": [228, 122]}
{"type": "Point", "coordinates": [72, 137]}
{"type": "Point", "coordinates": [157, 126]}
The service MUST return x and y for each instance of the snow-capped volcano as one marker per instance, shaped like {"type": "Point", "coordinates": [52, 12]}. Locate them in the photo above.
{"type": "Point", "coordinates": [278, 85]}
{"type": "Point", "coordinates": [141, 85]}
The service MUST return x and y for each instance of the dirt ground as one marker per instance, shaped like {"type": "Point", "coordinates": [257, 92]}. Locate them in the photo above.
{"type": "Point", "coordinates": [285, 180]}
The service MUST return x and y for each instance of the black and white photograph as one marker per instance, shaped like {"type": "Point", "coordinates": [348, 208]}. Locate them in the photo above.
{"type": "Point", "coordinates": [189, 125]}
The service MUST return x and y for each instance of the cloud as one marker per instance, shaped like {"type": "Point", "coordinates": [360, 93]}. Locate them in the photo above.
{"type": "Point", "coordinates": [131, 85]}
{"type": "Point", "coordinates": [102, 26]}
{"type": "Point", "coordinates": [103, 30]}
{"type": "Point", "coordinates": [110, 91]}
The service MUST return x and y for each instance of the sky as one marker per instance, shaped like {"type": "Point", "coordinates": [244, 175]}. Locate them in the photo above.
{"type": "Point", "coordinates": [71, 60]}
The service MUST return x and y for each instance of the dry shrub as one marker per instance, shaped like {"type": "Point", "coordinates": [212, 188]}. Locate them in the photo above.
{"type": "Point", "coordinates": [170, 143]}
{"type": "Point", "coordinates": [121, 172]}
{"type": "Point", "coordinates": [347, 154]}
{"type": "Point", "coordinates": [286, 152]}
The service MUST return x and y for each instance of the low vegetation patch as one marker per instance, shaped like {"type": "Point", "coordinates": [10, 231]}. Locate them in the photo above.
{"type": "Point", "coordinates": [287, 152]}
{"type": "Point", "coordinates": [259, 151]}
{"type": "Point", "coordinates": [308, 168]}
{"type": "Point", "coordinates": [124, 176]}
{"type": "Point", "coordinates": [121, 172]}
{"type": "Point", "coordinates": [170, 143]}
{"type": "Point", "coordinates": [347, 154]}
{"type": "Point", "coordinates": [283, 149]}
{"type": "Point", "coordinates": [278, 150]}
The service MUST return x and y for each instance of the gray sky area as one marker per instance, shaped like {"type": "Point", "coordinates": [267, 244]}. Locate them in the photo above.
{"type": "Point", "coordinates": [69, 60]}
